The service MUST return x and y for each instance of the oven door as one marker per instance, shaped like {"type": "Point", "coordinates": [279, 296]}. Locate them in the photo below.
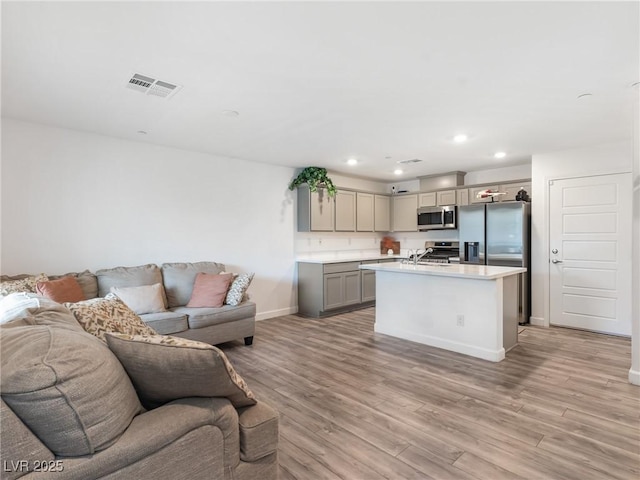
{"type": "Point", "coordinates": [430, 218]}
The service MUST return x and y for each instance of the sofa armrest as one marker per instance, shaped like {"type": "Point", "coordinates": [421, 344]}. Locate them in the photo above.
{"type": "Point", "coordinates": [192, 437]}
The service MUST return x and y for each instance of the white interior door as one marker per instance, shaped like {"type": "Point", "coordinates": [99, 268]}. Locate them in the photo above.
{"type": "Point", "coordinates": [590, 253]}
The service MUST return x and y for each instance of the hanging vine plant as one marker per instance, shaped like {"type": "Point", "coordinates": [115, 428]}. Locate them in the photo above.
{"type": "Point", "coordinates": [314, 177]}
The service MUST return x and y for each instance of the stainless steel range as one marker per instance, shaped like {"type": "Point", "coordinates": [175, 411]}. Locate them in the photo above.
{"type": "Point", "coordinates": [437, 252]}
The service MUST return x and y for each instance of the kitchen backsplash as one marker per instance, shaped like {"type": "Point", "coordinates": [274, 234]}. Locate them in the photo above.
{"type": "Point", "coordinates": [334, 242]}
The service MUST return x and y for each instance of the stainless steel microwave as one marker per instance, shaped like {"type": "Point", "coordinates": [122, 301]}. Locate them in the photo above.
{"type": "Point", "coordinates": [437, 218]}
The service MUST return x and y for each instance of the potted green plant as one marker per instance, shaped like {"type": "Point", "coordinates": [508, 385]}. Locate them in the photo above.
{"type": "Point", "coordinates": [314, 177]}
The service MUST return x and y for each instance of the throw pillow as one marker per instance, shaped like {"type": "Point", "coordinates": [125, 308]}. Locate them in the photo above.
{"type": "Point", "coordinates": [109, 314]}
{"type": "Point", "coordinates": [210, 290]}
{"type": "Point", "coordinates": [238, 288]}
{"type": "Point", "coordinates": [67, 387]}
{"type": "Point", "coordinates": [27, 284]}
{"type": "Point", "coordinates": [65, 289]}
{"type": "Point", "coordinates": [142, 299]}
{"type": "Point", "coordinates": [164, 368]}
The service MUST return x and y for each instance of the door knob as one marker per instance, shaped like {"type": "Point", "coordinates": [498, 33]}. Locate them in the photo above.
{"type": "Point", "coordinates": [555, 260]}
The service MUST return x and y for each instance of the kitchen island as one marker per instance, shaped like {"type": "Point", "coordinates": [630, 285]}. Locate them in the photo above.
{"type": "Point", "coordinates": [470, 309]}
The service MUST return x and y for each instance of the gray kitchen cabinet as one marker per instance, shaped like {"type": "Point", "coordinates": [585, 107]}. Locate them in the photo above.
{"type": "Point", "coordinates": [446, 197]}
{"type": "Point", "coordinates": [368, 285]}
{"type": "Point", "coordinates": [330, 288]}
{"type": "Point", "coordinates": [345, 205]}
{"type": "Point", "coordinates": [512, 190]}
{"type": "Point", "coordinates": [462, 196]}
{"type": "Point", "coordinates": [341, 289]}
{"type": "Point", "coordinates": [365, 208]}
{"type": "Point", "coordinates": [315, 210]}
{"type": "Point", "coordinates": [427, 199]}
{"type": "Point", "coordinates": [405, 213]}
{"type": "Point", "coordinates": [382, 213]}
{"type": "Point", "coordinates": [473, 192]}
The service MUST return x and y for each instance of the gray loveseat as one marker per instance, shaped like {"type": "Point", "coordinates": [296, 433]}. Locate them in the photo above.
{"type": "Point", "coordinates": [70, 411]}
{"type": "Point", "coordinates": [209, 325]}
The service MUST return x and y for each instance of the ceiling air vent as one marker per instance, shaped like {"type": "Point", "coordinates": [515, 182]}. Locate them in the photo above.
{"type": "Point", "coordinates": [413, 160]}
{"type": "Point", "coordinates": [152, 86]}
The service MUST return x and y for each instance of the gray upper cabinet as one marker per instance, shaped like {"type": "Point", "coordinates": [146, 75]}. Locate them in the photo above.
{"type": "Point", "coordinates": [365, 212]}
{"type": "Point", "coordinates": [462, 196]}
{"type": "Point", "coordinates": [427, 199]}
{"type": "Point", "coordinates": [345, 211]}
{"type": "Point", "coordinates": [405, 213]}
{"type": "Point", "coordinates": [382, 213]}
{"type": "Point", "coordinates": [315, 210]}
{"type": "Point", "coordinates": [446, 197]}
{"type": "Point", "coordinates": [512, 189]}
{"type": "Point", "coordinates": [473, 192]}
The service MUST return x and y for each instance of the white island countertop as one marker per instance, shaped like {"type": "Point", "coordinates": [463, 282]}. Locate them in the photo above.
{"type": "Point", "coordinates": [482, 272]}
{"type": "Point", "coordinates": [339, 257]}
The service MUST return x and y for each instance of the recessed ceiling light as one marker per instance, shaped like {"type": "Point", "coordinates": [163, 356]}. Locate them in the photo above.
{"type": "Point", "coordinates": [230, 113]}
{"type": "Point", "coordinates": [460, 138]}
{"type": "Point", "coordinates": [398, 171]}
{"type": "Point", "coordinates": [500, 155]}
{"type": "Point", "coordinates": [585, 95]}
{"type": "Point", "coordinates": [352, 161]}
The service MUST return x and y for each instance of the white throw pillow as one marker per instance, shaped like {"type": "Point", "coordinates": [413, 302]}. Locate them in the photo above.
{"type": "Point", "coordinates": [143, 299]}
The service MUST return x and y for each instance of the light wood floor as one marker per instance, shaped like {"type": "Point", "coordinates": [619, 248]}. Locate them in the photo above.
{"type": "Point", "coordinates": [358, 405]}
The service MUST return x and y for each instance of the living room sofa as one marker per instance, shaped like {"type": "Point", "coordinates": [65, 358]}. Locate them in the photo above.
{"type": "Point", "coordinates": [76, 407]}
{"type": "Point", "coordinates": [212, 325]}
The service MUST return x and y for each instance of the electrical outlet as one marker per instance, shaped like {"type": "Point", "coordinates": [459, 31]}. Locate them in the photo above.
{"type": "Point", "coordinates": [460, 321]}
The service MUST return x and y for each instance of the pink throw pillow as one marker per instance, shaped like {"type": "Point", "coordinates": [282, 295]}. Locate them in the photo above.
{"type": "Point", "coordinates": [210, 290]}
{"type": "Point", "coordinates": [65, 289]}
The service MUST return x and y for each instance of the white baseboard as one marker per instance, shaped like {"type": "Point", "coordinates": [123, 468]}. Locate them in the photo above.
{"type": "Point", "coordinates": [634, 377]}
{"type": "Point", "coordinates": [276, 313]}
{"type": "Point", "coordinates": [538, 321]}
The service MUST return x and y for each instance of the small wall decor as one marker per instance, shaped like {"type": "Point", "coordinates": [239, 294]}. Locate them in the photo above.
{"type": "Point", "coordinates": [314, 177]}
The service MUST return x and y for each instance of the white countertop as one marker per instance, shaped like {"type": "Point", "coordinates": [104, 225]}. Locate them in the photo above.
{"type": "Point", "coordinates": [338, 257]}
{"type": "Point", "coordinates": [482, 272]}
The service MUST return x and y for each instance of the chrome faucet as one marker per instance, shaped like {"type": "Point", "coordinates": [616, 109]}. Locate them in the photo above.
{"type": "Point", "coordinates": [418, 256]}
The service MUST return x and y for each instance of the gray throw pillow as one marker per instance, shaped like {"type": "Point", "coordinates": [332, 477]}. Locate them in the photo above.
{"type": "Point", "coordinates": [164, 368]}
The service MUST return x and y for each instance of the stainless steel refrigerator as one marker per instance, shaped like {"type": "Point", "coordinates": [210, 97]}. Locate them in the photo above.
{"type": "Point", "coordinates": [498, 233]}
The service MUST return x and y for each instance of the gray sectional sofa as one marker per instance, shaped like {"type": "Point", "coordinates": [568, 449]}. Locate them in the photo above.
{"type": "Point", "coordinates": [209, 325]}
{"type": "Point", "coordinates": [71, 409]}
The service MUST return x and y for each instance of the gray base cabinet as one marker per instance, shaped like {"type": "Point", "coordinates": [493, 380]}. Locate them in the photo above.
{"type": "Point", "coordinates": [327, 289]}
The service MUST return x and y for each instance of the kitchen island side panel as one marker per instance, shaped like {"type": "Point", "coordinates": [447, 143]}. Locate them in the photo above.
{"type": "Point", "coordinates": [427, 309]}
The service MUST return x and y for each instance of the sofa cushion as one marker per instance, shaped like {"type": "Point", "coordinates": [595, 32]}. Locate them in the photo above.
{"type": "Point", "coordinates": [127, 277]}
{"type": "Point", "coordinates": [67, 387]}
{"type": "Point", "coordinates": [142, 299]}
{"type": "Point", "coordinates": [164, 368]}
{"type": "Point", "coordinates": [210, 290]}
{"type": "Point", "coordinates": [203, 317]}
{"type": "Point", "coordinates": [22, 309]}
{"type": "Point", "coordinates": [87, 280]}
{"type": "Point", "coordinates": [65, 289]}
{"type": "Point", "coordinates": [258, 431]}
{"type": "Point", "coordinates": [180, 277]}
{"type": "Point", "coordinates": [238, 289]}
{"type": "Point", "coordinates": [20, 283]}
{"type": "Point", "coordinates": [166, 323]}
{"type": "Point", "coordinates": [101, 315]}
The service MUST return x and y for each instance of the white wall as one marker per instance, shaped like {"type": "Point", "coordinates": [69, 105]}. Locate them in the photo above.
{"type": "Point", "coordinates": [73, 201]}
{"type": "Point", "coordinates": [602, 159]}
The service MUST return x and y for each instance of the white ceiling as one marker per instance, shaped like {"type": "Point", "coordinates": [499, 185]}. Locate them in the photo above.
{"type": "Point", "coordinates": [318, 83]}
